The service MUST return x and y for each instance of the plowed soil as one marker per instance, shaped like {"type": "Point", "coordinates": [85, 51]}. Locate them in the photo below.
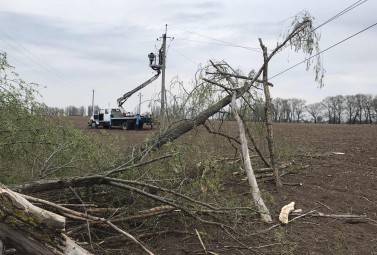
{"type": "Point", "coordinates": [336, 166]}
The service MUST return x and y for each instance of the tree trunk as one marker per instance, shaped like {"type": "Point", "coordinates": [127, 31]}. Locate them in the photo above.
{"type": "Point", "coordinates": [22, 243]}
{"type": "Point", "coordinates": [187, 125]}
{"type": "Point", "coordinates": [269, 124]}
{"type": "Point", "coordinates": [258, 200]}
{"type": "Point", "coordinates": [32, 230]}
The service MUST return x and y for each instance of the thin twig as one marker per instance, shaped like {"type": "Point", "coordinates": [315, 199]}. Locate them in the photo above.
{"type": "Point", "coordinates": [324, 205]}
{"type": "Point", "coordinates": [123, 168]}
{"type": "Point", "coordinates": [201, 242]}
{"type": "Point", "coordinates": [79, 215]}
{"type": "Point", "coordinates": [86, 212]}
{"type": "Point", "coordinates": [130, 237]}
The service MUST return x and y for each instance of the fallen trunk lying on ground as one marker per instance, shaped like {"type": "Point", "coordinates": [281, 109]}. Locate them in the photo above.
{"type": "Point", "coordinates": [32, 230]}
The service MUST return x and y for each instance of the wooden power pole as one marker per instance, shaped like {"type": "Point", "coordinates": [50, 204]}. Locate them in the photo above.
{"type": "Point", "coordinates": [139, 108]}
{"type": "Point", "coordinates": [163, 68]}
{"type": "Point", "coordinates": [163, 90]}
{"type": "Point", "coordinates": [92, 103]}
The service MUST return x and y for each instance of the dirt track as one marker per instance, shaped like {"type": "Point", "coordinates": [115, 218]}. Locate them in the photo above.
{"type": "Point", "coordinates": [337, 166]}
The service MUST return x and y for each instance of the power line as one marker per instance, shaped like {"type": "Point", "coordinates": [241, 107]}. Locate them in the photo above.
{"type": "Point", "coordinates": [16, 58]}
{"type": "Point", "coordinates": [224, 42]}
{"type": "Point", "coordinates": [33, 58]}
{"type": "Point", "coordinates": [220, 44]}
{"type": "Point", "coordinates": [332, 46]}
{"type": "Point", "coordinates": [349, 8]}
{"type": "Point", "coordinates": [43, 64]}
{"type": "Point", "coordinates": [183, 55]}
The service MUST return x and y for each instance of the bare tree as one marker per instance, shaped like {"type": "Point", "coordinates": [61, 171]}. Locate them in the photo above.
{"type": "Point", "coordinates": [259, 110]}
{"type": "Point", "coordinates": [374, 107]}
{"type": "Point", "coordinates": [298, 107]}
{"type": "Point", "coordinates": [314, 110]}
{"type": "Point", "coordinates": [367, 105]}
{"type": "Point", "coordinates": [277, 104]}
{"type": "Point", "coordinates": [338, 102]}
{"type": "Point", "coordinates": [359, 105]}
{"type": "Point", "coordinates": [351, 108]}
{"type": "Point", "coordinates": [81, 111]}
{"type": "Point", "coordinates": [328, 104]}
{"type": "Point", "coordinates": [287, 110]}
{"type": "Point", "coordinates": [91, 111]}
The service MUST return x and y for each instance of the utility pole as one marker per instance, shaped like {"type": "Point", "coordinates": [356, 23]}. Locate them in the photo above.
{"type": "Point", "coordinates": [163, 90]}
{"type": "Point", "coordinates": [139, 110]}
{"type": "Point", "coordinates": [92, 103]}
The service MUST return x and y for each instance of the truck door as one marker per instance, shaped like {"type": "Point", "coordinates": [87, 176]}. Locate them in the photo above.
{"type": "Point", "coordinates": [106, 116]}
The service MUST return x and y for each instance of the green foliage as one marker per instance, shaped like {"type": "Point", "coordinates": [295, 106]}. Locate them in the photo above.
{"type": "Point", "coordinates": [36, 146]}
{"type": "Point", "coordinates": [305, 38]}
{"type": "Point", "coordinates": [339, 241]}
{"type": "Point", "coordinates": [192, 170]}
{"type": "Point", "coordinates": [281, 237]}
{"type": "Point", "coordinates": [286, 151]}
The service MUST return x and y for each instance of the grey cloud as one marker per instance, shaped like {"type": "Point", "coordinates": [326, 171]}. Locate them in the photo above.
{"type": "Point", "coordinates": [209, 5]}
{"type": "Point", "coordinates": [194, 12]}
{"type": "Point", "coordinates": [192, 6]}
{"type": "Point", "coordinates": [188, 17]}
{"type": "Point", "coordinates": [96, 44]}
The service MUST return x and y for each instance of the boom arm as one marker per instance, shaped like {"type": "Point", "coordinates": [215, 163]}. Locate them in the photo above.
{"type": "Point", "coordinates": [154, 66]}
{"type": "Point", "coordinates": [124, 98]}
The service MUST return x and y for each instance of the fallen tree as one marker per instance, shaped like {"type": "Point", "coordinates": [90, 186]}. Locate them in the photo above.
{"type": "Point", "coordinates": [302, 37]}
{"type": "Point", "coordinates": [202, 212]}
{"type": "Point", "coordinates": [174, 204]}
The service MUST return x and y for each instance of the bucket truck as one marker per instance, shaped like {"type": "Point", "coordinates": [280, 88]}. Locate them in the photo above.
{"type": "Point", "coordinates": [118, 117]}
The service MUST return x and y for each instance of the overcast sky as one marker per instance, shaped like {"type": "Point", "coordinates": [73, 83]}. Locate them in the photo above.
{"type": "Point", "coordinates": [72, 47]}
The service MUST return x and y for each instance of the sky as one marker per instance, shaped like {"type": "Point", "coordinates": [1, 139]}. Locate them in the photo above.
{"type": "Point", "coordinates": [74, 47]}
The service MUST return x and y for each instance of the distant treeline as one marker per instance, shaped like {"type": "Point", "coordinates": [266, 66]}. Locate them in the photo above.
{"type": "Point", "coordinates": [352, 109]}
{"type": "Point", "coordinates": [68, 111]}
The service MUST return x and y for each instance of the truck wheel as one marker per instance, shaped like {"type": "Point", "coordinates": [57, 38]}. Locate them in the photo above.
{"type": "Point", "coordinates": [94, 125]}
{"type": "Point", "coordinates": [125, 125]}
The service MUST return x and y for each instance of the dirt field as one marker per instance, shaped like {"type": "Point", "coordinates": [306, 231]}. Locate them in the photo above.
{"type": "Point", "coordinates": [337, 166]}
{"type": "Point", "coordinates": [334, 184]}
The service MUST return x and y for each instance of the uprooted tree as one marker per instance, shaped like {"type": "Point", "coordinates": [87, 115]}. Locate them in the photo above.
{"type": "Point", "coordinates": [219, 86]}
